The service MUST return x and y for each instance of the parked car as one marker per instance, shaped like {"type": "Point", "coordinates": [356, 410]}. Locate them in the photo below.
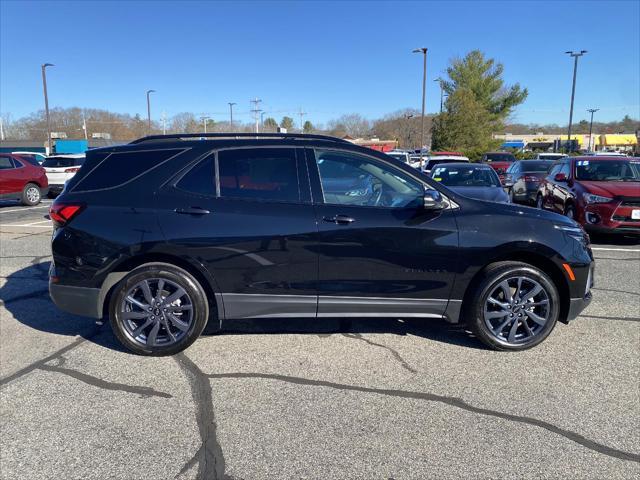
{"type": "Point", "coordinates": [171, 232]}
{"type": "Point", "coordinates": [35, 158]}
{"type": "Point", "coordinates": [61, 168]}
{"type": "Point", "coordinates": [601, 193]}
{"type": "Point", "coordinates": [20, 180]}
{"type": "Point", "coordinates": [473, 180]}
{"type": "Point", "coordinates": [400, 155]}
{"type": "Point", "coordinates": [604, 153]}
{"type": "Point", "coordinates": [550, 156]}
{"type": "Point", "coordinates": [430, 161]}
{"type": "Point", "coordinates": [499, 161]}
{"type": "Point", "coordinates": [523, 178]}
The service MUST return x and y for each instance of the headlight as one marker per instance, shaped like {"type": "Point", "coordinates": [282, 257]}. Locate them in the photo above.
{"type": "Point", "coordinates": [591, 198]}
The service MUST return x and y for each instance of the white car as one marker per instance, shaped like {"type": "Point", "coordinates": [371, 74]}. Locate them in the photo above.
{"type": "Point", "coordinates": [604, 153]}
{"type": "Point", "coordinates": [399, 155]}
{"type": "Point", "coordinates": [550, 156]}
{"type": "Point", "coordinates": [61, 168]}
{"type": "Point", "coordinates": [431, 161]}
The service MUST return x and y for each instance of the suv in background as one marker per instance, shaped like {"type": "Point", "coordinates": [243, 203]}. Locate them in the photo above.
{"type": "Point", "coordinates": [61, 168]}
{"type": "Point", "coordinates": [499, 161]}
{"type": "Point", "coordinates": [430, 161]}
{"type": "Point", "coordinates": [601, 193]}
{"type": "Point", "coordinates": [21, 180]}
{"type": "Point", "coordinates": [523, 178]}
{"type": "Point", "coordinates": [171, 232]}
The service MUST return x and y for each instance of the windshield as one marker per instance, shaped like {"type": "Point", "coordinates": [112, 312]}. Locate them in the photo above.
{"type": "Point", "coordinates": [465, 176]}
{"type": "Point", "coordinates": [536, 166]}
{"type": "Point", "coordinates": [608, 170]}
{"type": "Point", "coordinates": [62, 162]}
{"type": "Point", "coordinates": [499, 157]}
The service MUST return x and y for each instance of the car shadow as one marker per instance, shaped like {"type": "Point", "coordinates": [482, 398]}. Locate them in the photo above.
{"type": "Point", "coordinates": [25, 296]}
{"type": "Point", "coordinates": [611, 239]}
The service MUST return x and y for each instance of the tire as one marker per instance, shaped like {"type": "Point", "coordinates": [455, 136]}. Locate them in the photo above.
{"type": "Point", "coordinates": [30, 195]}
{"type": "Point", "coordinates": [570, 212]}
{"type": "Point", "coordinates": [480, 310]}
{"type": "Point", "coordinates": [511, 199]}
{"type": "Point", "coordinates": [177, 324]}
{"type": "Point", "coordinates": [540, 202]}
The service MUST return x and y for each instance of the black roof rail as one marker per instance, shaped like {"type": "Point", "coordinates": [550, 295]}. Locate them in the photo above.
{"type": "Point", "coordinates": [195, 136]}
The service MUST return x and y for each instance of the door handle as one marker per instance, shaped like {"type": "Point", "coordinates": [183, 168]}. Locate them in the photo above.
{"type": "Point", "coordinates": [340, 219]}
{"type": "Point", "coordinates": [192, 211]}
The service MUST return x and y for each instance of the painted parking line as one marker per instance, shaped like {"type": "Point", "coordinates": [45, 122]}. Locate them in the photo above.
{"type": "Point", "coordinates": [606, 249]}
{"type": "Point", "coordinates": [46, 205]}
{"type": "Point", "coordinates": [27, 225]}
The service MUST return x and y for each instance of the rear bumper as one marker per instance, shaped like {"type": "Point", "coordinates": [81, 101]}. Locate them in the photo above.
{"type": "Point", "coordinates": [56, 187]}
{"type": "Point", "coordinates": [526, 195]}
{"type": "Point", "coordinates": [82, 301]}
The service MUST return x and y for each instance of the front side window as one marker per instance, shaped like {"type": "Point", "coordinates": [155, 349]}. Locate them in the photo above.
{"type": "Point", "coordinates": [259, 174]}
{"type": "Point", "coordinates": [566, 169]}
{"type": "Point", "coordinates": [352, 179]}
{"type": "Point", "coordinates": [555, 170]}
{"type": "Point", "coordinates": [200, 179]}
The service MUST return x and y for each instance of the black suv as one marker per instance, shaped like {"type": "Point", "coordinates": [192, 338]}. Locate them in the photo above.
{"type": "Point", "coordinates": [169, 233]}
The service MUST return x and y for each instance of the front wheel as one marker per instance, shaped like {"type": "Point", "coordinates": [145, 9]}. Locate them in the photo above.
{"type": "Point", "coordinates": [570, 212]}
{"type": "Point", "coordinates": [158, 309]}
{"type": "Point", "coordinates": [514, 307]}
{"type": "Point", "coordinates": [31, 194]}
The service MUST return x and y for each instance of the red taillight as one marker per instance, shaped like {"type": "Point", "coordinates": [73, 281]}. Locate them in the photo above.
{"type": "Point", "coordinates": [71, 170]}
{"type": "Point", "coordinates": [62, 213]}
{"type": "Point", "coordinates": [531, 178]}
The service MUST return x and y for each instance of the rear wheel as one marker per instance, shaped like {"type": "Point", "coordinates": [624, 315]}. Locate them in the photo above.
{"type": "Point", "coordinates": [31, 194]}
{"type": "Point", "coordinates": [514, 307]}
{"type": "Point", "coordinates": [539, 202]}
{"type": "Point", "coordinates": [570, 212]}
{"type": "Point", "coordinates": [158, 309]}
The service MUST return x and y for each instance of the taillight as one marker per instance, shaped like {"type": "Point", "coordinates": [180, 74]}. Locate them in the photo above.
{"type": "Point", "coordinates": [71, 170]}
{"type": "Point", "coordinates": [530, 178]}
{"type": "Point", "coordinates": [62, 213]}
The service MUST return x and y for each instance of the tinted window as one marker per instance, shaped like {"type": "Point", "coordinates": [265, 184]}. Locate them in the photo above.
{"type": "Point", "coordinates": [62, 162]}
{"type": "Point", "coordinates": [120, 167]}
{"type": "Point", "coordinates": [5, 163]}
{"type": "Point", "coordinates": [259, 173]}
{"type": "Point", "coordinates": [351, 179]}
{"type": "Point", "coordinates": [200, 179]}
{"type": "Point", "coordinates": [499, 157]}
{"type": "Point", "coordinates": [565, 169]}
{"type": "Point", "coordinates": [30, 158]}
{"type": "Point", "coordinates": [466, 176]}
{"type": "Point", "coordinates": [535, 166]}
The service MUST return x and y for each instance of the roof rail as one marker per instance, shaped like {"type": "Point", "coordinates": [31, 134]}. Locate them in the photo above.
{"type": "Point", "coordinates": [196, 136]}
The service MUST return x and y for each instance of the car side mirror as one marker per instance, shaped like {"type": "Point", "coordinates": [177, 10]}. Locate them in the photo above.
{"type": "Point", "coordinates": [433, 200]}
{"type": "Point", "coordinates": [560, 177]}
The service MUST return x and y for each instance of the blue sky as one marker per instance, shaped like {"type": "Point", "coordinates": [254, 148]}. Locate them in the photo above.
{"type": "Point", "coordinates": [328, 58]}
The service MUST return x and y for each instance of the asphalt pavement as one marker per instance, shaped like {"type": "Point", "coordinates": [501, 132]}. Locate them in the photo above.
{"type": "Point", "coordinates": [377, 399]}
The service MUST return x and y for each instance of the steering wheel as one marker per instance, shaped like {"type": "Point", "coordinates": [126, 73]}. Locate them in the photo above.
{"type": "Point", "coordinates": [374, 200]}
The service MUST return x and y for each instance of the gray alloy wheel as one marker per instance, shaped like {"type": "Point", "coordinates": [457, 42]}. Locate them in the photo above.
{"type": "Point", "coordinates": [156, 312]}
{"type": "Point", "coordinates": [570, 212]}
{"type": "Point", "coordinates": [517, 310]}
{"type": "Point", "coordinates": [31, 194]}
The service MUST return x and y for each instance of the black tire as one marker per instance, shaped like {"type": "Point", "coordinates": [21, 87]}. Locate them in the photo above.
{"type": "Point", "coordinates": [570, 212]}
{"type": "Point", "coordinates": [539, 202]}
{"type": "Point", "coordinates": [171, 274]}
{"type": "Point", "coordinates": [511, 199]}
{"type": "Point", "coordinates": [52, 195]}
{"type": "Point", "coordinates": [31, 195]}
{"type": "Point", "coordinates": [493, 275]}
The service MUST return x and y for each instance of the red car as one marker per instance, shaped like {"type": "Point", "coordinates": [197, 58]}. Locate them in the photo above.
{"type": "Point", "coordinates": [499, 161]}
{"type": "Point", "coordinates": [601, 193]}
{"type": "Point", "coordinates": [21, 180]}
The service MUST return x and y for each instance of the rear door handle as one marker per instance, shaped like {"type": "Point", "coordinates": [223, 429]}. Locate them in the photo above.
{"type": "Point", "coordinates": [340, 219]}
{"type": "Point", "coordinates": [192, 211]}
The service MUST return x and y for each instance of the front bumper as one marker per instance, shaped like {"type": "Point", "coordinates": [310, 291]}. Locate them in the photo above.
{"type": "Point", "coordinates": [82, 301]}
{"type": "Point", "coordinates": [577, 305]}
{"type": "Point", "coordinates": [610, 218]}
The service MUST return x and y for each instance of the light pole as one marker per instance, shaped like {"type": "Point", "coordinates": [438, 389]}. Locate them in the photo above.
{"type": "Point", "coordinates": [408, 117]}
{"type": "Point", "coordinates": [46, 104]}
{"type": "Point", "coordinates": [591, 111]}
{"type": "Point", "coordinates": [149, 110]}
{"type": "Point", "coordinates": [231, 104]}
{"type": "Point", "coordinates": [439, 80]}
{"type": "Point", "coordinates": [204, 122]}
{"type": "Point", "coordinates": [575, 56]}
{"type": "Point", "coordinates": [422, 50]}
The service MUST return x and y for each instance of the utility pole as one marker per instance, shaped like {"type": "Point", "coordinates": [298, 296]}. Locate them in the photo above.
{"type": "Point", "coordinates": [422, 50]}
{"type": "Point", "coordinates": [46, 105]}
{"type": "Point", "coordinates": [575, 56]}
{"type": "Point", "coordinates": [302, 114]}
{"type": "Point", "coordinates": [149, 111]}
{"type": "Point", "coordinates": [204, 119]}
{"type": "Point", "coordinates": [231, 104]}
{"type": "Point", "coordinates": [84, 126]}
{"type": "Point", "coordinates": [256, 112]}
{"type": "Point", "coordinates": [591, 111]}
{"type": "Point", "coordinates": [164, 123]}
{"type": "Point", "coordinates": [439, 80]}
{"type": "Point", "coordinates": [1, 130]}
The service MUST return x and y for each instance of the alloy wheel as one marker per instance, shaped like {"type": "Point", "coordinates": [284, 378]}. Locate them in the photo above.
{"type": "Point", "coordinates": [33, 194]}
{"type": "Point", "coordinates": [517, 310]}
{"type": "Point", "coordinates": [156, 312]}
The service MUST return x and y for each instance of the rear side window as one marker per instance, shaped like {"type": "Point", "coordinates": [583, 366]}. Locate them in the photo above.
{"type": "Point", "coordinates": [200, 179]}
{"type": "Point", "coordinates": [31, 159]}
{"type": "Point", "coordinates": [5, 163]}
{"type": "Point", "coordinates": [259, 174]}
{"type": "Point", "coordinates": [121, 167]}
{"type": "Point", "coordinates": [62, 162]}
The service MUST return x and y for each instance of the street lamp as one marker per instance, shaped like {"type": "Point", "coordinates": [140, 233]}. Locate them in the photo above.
{"type": "Point", "coordinates": [440, 80]}
{"type": "Point", "coordinates": [149, 110]}
{"type": "Point", "coordinates": [46, 104]}
{"type": "Point", "coordinates": [575, 56]}
{"type": "Point", "coordinates": [422, 50]}
{"type": "Point", "coordinates": [591, 111]}
{"type": "Point", "coordinates": [231, 104]}
{"type": "Point", "coordinates": [204, 121]}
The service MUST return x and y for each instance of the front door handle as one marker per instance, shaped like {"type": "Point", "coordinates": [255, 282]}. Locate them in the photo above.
{"type": "Point", "coordinates": [192, 211]}
{"type": "Point", "coordinates": [340, 219]}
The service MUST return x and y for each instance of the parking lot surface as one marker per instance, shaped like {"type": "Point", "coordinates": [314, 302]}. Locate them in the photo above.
{"type": "Point", "coordinates": [376, 399]}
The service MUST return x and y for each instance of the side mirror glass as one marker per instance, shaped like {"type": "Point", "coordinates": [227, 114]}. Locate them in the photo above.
{"type": "Point", "coordinates": [560, 177]}
{"type": "Point", "coordinates": [433, 200]}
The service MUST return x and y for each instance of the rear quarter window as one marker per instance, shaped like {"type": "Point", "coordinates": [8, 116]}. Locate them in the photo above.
{"type": "Point", "coordinates": [118, 168]}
